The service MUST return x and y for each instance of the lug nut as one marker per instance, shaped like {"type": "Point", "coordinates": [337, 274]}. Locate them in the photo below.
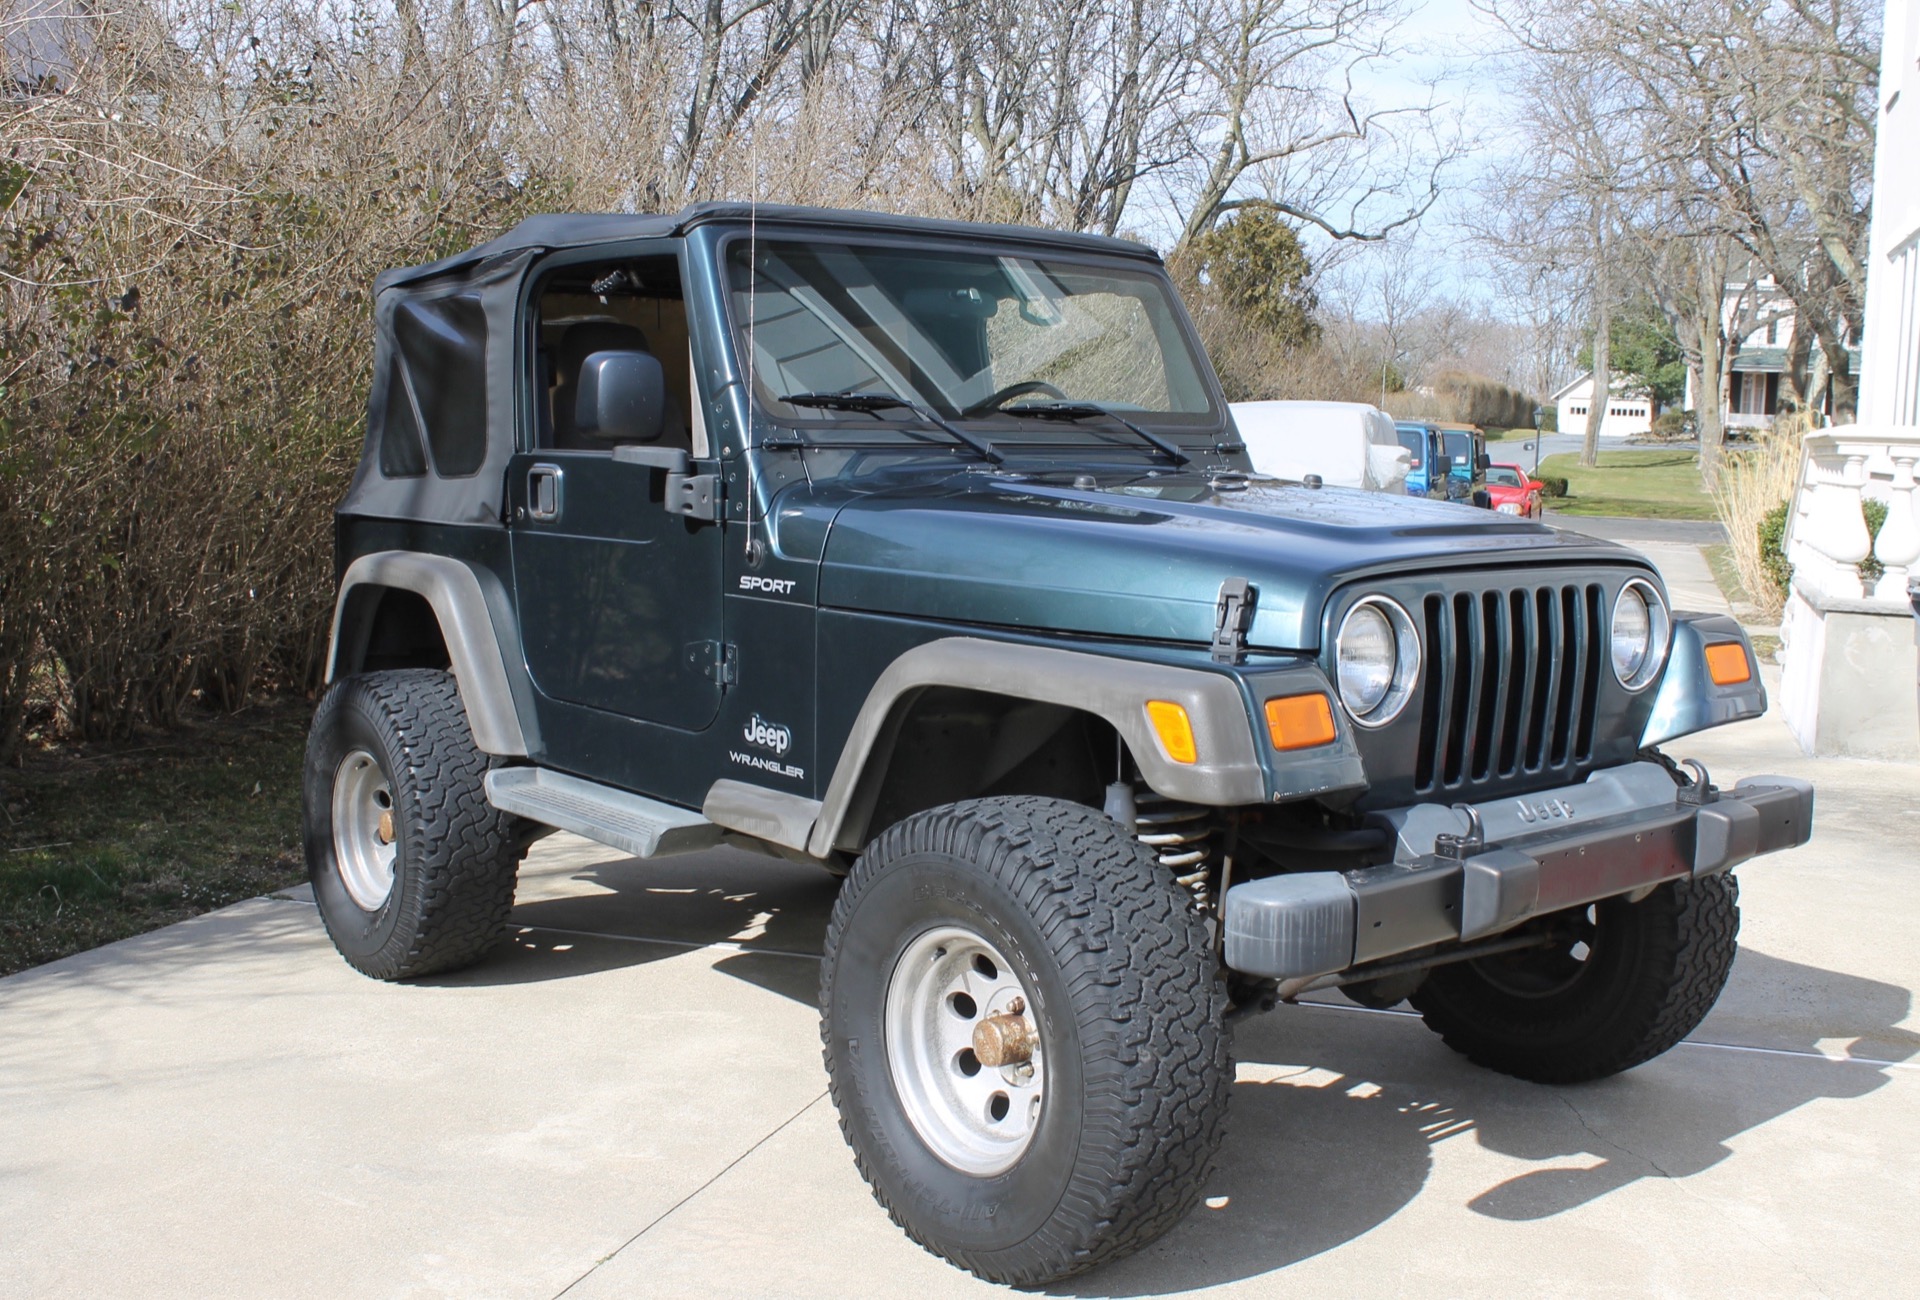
{"type": "Point", "coordinates": [385, 831]}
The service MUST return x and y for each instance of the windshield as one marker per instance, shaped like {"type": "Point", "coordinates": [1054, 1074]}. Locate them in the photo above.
{"type": "Point", "coordinates": [1460, 447]}
{"type": "Point", "coordinates": [963, 334]}
{"type": "Point", "coordinates": [1415, 441]}
{"type": "Point", "coordinates": [1503, 476]}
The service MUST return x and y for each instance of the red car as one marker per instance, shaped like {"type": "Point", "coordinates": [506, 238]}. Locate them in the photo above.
{"type": "Point", "coordinates": [1513, 493]}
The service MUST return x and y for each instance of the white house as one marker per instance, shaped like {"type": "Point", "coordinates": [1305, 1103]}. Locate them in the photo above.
{"type": "Point", "coordinates": [1626, 416]}
{"type": "Point", "coordinates": [1850, 636]}
{"type": "Point", "coordinates": [1757, 321]}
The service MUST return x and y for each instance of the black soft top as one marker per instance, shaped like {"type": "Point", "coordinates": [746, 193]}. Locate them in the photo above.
{"type": "Point", "coordinates": [440, 413]}
{"type": "Point", "coordinates": [578, 229]}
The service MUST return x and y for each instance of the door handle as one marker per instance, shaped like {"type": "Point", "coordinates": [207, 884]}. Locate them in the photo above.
{"type": "Point", "coordinates": [544, 487]}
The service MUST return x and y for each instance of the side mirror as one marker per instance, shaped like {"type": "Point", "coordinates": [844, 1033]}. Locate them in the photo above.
{"type": "Point", "coordinates": [622, 397]}
{"type": "Point", "coordinates": [1486, 461]}
{"type": "Point", "coordinates": [1442, 464]}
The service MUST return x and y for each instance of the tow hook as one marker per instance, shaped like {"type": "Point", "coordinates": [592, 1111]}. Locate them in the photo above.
{"type": "Point", "coordinates": [1006, 1039]}
{"type": "Point", "coordinates": [1702, 791]}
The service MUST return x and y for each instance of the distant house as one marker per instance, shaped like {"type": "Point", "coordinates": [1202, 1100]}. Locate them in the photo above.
{"type": "Point", "coordinates": [44, 42]}
{"type": "Point", "coordinates": [1627, 414]}
{"type": "Point", "coordinates": [1757, 320]}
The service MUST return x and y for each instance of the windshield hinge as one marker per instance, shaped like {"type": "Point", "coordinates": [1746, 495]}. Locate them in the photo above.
{"type": "Point", "coordinates": [1232, 616]}
{"type": "Point", "coordinates": [717, 661]}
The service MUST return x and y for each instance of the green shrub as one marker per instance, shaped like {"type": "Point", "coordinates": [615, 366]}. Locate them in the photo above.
{"type": "Point", "coordinates": [1552, 485]}
{"type": "Point", "coordinates": [1773, 556]}
{"type": "Point", "coordinates": [1674, 423]}
{"type": "Point", "coordinates": [1875, 513]}
{"type": "Point", "coordinates": [1549, 419]}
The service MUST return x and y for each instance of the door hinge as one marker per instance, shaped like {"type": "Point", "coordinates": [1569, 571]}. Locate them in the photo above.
{"type": "Point", "coordinates": [717, 661]}
{"type": "Point", "coordinates": [698, 496]}
{"type": "Point", "coordinates": [1232, 617]}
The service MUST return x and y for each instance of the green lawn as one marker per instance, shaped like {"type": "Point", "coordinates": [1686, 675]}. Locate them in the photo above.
{"type": "Point", "coordinates": [101, 842]}
{"type": "Point", "coordinates": [1636, 484]}
{"type": "Point", "coordinates": [1510, 435]}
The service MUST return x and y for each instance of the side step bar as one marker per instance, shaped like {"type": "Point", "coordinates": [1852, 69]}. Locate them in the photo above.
{"type": "Point", "coordinates": [633, 823]}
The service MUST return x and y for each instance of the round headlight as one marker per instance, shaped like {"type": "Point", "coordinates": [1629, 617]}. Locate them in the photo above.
{"type": "Point", "coordinates": [1376, 659]}
{"type": "Point", "coordinates": [1366, 659]}
{"type": "Point", "coordinates": [1638, 637]}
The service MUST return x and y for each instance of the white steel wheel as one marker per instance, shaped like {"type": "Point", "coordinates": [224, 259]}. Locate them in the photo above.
{"type": "Point", "coordinates": [364, 839]}
{"type": "Point", "coordinates": [952, 1000]}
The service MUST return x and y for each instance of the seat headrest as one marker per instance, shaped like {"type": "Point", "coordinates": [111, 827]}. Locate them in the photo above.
{"type": "Point", "coordinates": [590, 336]}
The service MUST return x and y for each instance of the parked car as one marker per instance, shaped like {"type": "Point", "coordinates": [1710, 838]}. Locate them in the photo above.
{"type": "Point", "coordinates": [1513, 492]}
{"type": "Point", "coordinates": [1425, 455]}
{"type": "Point", "coordinates": [925, 553]}
{"type": "Point", "coordinates": [1348, 444]}
{"type": "Point", "coordinates": [1466, 446]}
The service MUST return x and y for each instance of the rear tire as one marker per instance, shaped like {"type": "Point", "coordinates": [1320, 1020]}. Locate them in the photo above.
{"type": "Point", "coordinates": [1099, 1143]}
{"type": "Point", "coordinates": [412, 869]}
{"type": "Point", "coordinates": [1649, 974]}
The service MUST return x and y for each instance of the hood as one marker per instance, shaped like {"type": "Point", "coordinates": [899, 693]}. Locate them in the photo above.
{"type": "Point", "coordinates": [1145, 559]}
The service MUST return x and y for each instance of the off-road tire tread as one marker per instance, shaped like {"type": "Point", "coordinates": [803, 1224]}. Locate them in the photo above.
{"type": "Point", "coordinates": [465, 851]}
{"type": "Point", "coordinates": [1692, 936]}
{"type": "Point", "coordinates": [1149, 1001]}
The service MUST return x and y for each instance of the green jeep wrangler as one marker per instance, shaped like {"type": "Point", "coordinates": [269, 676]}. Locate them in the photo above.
{"type": "Point", "coordinates": [927, 553]}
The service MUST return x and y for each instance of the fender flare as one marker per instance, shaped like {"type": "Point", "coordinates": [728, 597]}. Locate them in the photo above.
{"type": "Point", "coordinates": [1115, 690]}
{"type": "Point", "coordinates": [1687, 699]}
{"type": "Point", "coordinates": [453, 590]}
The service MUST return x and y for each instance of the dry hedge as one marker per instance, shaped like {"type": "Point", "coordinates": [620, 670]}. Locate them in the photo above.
{"type": "Point", "coordinates": [195, 196]}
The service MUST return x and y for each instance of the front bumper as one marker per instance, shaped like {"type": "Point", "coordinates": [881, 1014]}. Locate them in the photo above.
{"type": "Point", "coordinates": [1622, 830]}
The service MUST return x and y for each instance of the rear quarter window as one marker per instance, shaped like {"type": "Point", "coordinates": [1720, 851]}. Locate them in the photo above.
{"type": "Point", "coordinates": [443, 349]}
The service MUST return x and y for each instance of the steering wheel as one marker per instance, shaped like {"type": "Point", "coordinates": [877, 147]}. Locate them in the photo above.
{"type": "Point", "coordinates": [1012, 391]}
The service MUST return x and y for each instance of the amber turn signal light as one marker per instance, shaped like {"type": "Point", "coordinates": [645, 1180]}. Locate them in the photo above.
{"type": "Point", "coordinates": [1727, 664]}
{"type": "Point", "coordinates": [1300, 721]}
{"type": "Point", "coordinates": [1175, 729]}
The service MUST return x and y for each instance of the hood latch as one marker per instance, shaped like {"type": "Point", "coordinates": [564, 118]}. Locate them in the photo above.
{"type": "Point", "coordinates": [1232, 617]}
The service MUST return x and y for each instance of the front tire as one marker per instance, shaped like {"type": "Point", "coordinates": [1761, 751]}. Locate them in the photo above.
{"type": "Point", "coordinates": [412, 869]}
{"type": "Point", "coordinates": [1048, 917]}
{"type": "Point", "coordinates": [1632, 980]}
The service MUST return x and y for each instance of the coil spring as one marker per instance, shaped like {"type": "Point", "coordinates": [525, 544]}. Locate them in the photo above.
{"type": "Point", "coordinates": [1182, 837]}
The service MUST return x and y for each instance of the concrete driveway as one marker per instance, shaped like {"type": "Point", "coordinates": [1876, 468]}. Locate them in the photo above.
{"type": "Point", "coordinates": [628, 1101]}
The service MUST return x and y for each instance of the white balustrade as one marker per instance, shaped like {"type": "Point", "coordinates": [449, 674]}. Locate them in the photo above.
{"type": "Point", "coordinates": [1828, 538]}
{"type": "Point", "coordinates": [1898, 545]}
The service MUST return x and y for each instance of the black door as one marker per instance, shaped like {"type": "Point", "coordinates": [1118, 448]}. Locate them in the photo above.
{"type": "Point", "coordinates": [619, 599]}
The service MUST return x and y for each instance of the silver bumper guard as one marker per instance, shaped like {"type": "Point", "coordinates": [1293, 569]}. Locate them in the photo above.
{"type": "Point", "coordinates": [1473, 870]}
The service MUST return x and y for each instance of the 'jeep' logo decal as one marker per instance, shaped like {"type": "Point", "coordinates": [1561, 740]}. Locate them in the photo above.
{"type": "Point", "coordinates": [768, 735]}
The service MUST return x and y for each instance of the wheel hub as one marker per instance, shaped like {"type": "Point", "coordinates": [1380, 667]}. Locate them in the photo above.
{"type": "Point", "coordinates": [967, 1061]}
{"type": "Point", "coordinates": [363, 830]}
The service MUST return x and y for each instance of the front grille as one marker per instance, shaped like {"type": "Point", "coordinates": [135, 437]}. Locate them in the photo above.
{"type": "Point", "coordinates": [1511, 684]}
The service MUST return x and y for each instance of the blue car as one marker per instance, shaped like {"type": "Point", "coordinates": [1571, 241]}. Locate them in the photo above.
{"type": "Point", "coordinates": [1423, 445]}
{"type": "Point", "coordinates": [1448, 461]}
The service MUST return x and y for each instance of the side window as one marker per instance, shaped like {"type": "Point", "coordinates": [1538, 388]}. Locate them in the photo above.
{"type": "Point", "coordinates": [400, 453]}
{"type": "Point", "coordinates": [443, 350]}
{"type": "Point", "coordinates": [634, 304]}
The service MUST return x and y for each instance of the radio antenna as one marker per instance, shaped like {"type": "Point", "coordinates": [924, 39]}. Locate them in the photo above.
{"type": "Point", "coordinates": [753, 343]}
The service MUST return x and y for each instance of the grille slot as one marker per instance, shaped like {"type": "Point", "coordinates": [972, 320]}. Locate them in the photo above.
{"type": "Point", "coordinates": [1512, 684]}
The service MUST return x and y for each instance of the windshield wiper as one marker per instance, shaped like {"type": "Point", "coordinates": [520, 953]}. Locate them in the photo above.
{"type": "Point", "coordinates": [876, 402]}
{"type": "Point", "coordinates": [1088, 410]}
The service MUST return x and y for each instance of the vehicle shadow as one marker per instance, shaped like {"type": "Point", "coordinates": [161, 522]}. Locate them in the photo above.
{"type": "Point", "coordinates": [1338, 1114]}
{"type": "Point", "coordinates": [576, 916]}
